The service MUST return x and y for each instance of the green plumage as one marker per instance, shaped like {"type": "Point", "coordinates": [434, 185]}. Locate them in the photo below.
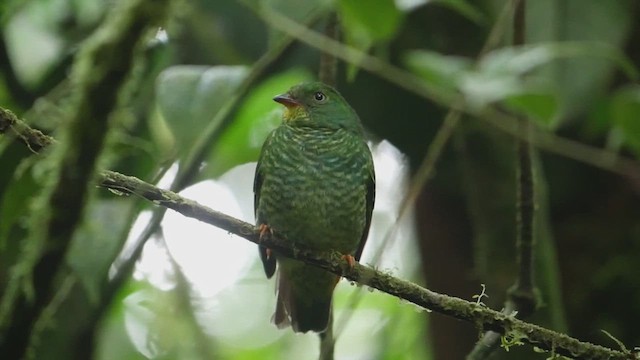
{"type": "Point", "coordinates": [314, 185]}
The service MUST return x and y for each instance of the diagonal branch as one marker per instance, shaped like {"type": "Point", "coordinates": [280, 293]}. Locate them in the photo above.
{"type": "Point", "coordinates": [451, 306]}
{"type": "Point", "coordinates": [457, 308]}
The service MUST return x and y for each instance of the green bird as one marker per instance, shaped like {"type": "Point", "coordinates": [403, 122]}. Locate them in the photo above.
{"type": "Point", "coordinates": [314, 185]}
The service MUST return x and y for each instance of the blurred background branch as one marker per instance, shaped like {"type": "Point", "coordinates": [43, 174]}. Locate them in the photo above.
{"type": "Point", "coordinates": [99, 73]}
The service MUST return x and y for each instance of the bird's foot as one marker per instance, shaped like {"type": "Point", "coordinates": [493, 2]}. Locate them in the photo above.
{"type": "Point", "coordinates": [350, 260]}
{"type": "Point", "coordinates": [264, 229]}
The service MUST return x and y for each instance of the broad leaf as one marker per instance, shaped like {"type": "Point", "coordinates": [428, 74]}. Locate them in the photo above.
{"type": "Point", "coordinates": [190, 96]}
{"type": "Point", "coordinates": [366, 22]}
{"type": "Point", "coordinates": [579, 80]}
{"type": "Point", "coordinates": [436, 69]}
{"type": "Point", "coordinates": [98, 242]}
{"type": "Point", "coordinates": [539, 107]}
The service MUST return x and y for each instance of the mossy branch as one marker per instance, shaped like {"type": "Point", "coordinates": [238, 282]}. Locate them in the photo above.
{"type": "Point", "coordinates": [100, 72]}
{"type": "Point", "coordinates": [472, 312]}
{"type": "Point", "coordinates": [333, 262]}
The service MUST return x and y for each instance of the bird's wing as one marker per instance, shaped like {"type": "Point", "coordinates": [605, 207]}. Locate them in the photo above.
{"type": "Point", "coordinates": [268, 262]}
{"type": "Point", "coordinates": [371, 198]}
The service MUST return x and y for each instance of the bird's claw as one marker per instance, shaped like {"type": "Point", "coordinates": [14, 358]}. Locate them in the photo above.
{"type": "Point", "coordinates": [350, 260]}
{"type": "Point", "coordinates": [264, 229]}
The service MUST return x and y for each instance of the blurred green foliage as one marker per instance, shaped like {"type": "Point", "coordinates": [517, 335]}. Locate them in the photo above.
{"type": "Point", "coordinates": [576, 77]}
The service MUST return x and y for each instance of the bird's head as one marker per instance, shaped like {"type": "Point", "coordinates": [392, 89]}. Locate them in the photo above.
{"type": "Point", "coordinates": [317, 105]}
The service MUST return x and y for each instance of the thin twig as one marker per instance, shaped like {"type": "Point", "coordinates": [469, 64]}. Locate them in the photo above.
{"type": "Point", "coordinates": [34, 139]}
{"type": "Point", "coordinates": [523, 292]}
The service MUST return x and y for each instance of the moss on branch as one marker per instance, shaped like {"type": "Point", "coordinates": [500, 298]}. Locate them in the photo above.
{"type": "Point", "coordinates": [99, 74]}
{"type": "Point", "coordinates": [455, 307]}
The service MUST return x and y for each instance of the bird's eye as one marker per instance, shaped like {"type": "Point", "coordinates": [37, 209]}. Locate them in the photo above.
{"type": "Point", "coordinates": [319, 96]}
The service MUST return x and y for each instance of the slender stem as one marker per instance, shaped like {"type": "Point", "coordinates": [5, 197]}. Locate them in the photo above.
{"type": "Point", "coordinates": [327, 341]}
{"type": "Point", "coordinates": [327, 73]}
{"type": "Point", "coordinates": [521, 297]}
{"type": "Point", "coordinates": [522, 294]}
{"type": "Point", "coordinates": [328, 62]}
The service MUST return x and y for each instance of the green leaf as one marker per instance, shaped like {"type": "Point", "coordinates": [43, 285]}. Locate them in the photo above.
{"type": "Point", "coordinates": [625, 115]}
{"type": "Point", "coordinates": [482, 88]}
{"type": "Point", "coordinates": [256, 117]}
{"type": "Point", "coordinates": [507, 72]}
{"type": "Point", "coordinates": [436, 69]}
{"type": "Point", "coordinates": [519, 60]}
{"type": "Point", "coordinates": [526, 58]}
{"type": "Point", "coordinates": [539, 107]}
{"type": "Point", "coordinates": [367, 22]}
{"type": "Point", "coordinates": [33, 43]}
{"type": "Point", "coordinates": [579, 80]}
{"type": "Point", "coordinates": [462, 7]}
{"type": "Point", "coordinates": [518, 70]}
{"type": "Point", "coordinates": [190, 96]}
{"type": "Point", "coordinates": [299, 11]}
{"type": "Point", "coordinates": [17, 198]}
{"type": "Point", "coordinates": [161, 134]}
{"type": "Point", "coordinates": [98, 241]}
{"type": "Point", "coordinates": [465, 9]}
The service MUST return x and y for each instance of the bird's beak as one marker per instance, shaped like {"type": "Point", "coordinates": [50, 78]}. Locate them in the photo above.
{"type": "Point", "coordinates": [286, 100]}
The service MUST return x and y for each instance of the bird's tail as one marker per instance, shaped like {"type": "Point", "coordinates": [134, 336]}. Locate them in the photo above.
{"type": "Point", "coordinates": [304, 297]}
